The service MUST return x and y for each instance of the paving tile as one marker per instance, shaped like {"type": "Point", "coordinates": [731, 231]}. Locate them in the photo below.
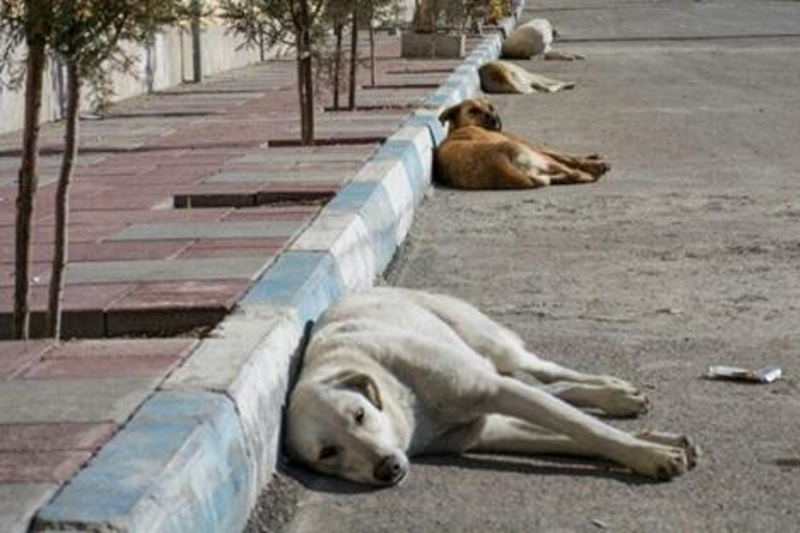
{"type": "Point", "coordinates": [19, 501]}
{"type": "Point", "coordinates": [273, 212]}
{"type": "Point", "coordinates": [211, 294]}
{"type": "Point", "coordinates": [266, 249]}
{"type": "Point", "coordinates": [123, 348]}
{"type": "Point", "coordinates": [288, 176]}
{"type": "Point", "coordinates": [125, 251]}
{"type": "Point", "coordinates": [59, 436]}
{"type": "Point", "coordinates": [73, 400]}
{"type": "Point", "coordinates": [205, 230]}
{"type": "Point", "coordinates": [15, 356]}
{"type": "Point", "coordinates": [164, 270]}
{"type": "Point", "coordinates": [118, 216]}
{"type": "Point", "coordinates": [101, 367]}
{"type": "Point", "coordinates": [51, 466]}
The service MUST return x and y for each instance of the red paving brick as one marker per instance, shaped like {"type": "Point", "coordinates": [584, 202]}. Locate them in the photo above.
{"type": "Point", "coordinates": [49, 466]}
{"type": "Point", "coordinates": [181, 294]}
{"type": "Point", "coordinates": [101, 367]}
{"type": "Point", "coordinates": [16, 356]}
{"type": "Point", "coordinates": [143, 156]}
{"type": "Point", "coordinates": [55, 436]}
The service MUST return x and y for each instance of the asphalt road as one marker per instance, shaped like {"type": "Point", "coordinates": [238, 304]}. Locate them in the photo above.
{"type": "Point", "coordinates": [687, 254]}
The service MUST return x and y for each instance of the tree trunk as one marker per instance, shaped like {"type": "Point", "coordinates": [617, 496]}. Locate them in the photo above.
{"type": "Point", "coordinates": [351, 96]}
{"type": "Point", "coordinates": [27, 183]}
{"type": "Point", "coordinates": [371, 45]}
{"type": "Point", "coordinates": [305, 74]}
{"type": "Point", "coordinates": [425, 16]}
{"type": "Point", "coordinates": [338, 29]}
{"type": "Point", "coordinates": [60, 255]}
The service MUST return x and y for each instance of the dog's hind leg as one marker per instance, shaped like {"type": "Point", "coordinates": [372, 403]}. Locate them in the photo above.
{"type": "Point", "coordinates": [504, 348]}
{"type": "Point", "coordinates": [612, 400]}
{"type": "Point", "coordinates": [516, 399]}
{"type": "Point", "coordinates": [555, 55]}
{"type": "Point", "coordinates": [591, 164]}
{"type": "Point", "coordinates": [503, 434]}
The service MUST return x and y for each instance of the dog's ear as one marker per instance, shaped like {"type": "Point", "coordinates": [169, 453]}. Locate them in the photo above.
{"type": "Point", "coordinates": [362, 383]}
{"type": "Point", "coordinates": [449, 113]}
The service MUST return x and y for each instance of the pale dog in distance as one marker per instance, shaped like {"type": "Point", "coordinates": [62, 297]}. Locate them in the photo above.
{"type": "Point", "coordinates": [506, 77]}
{"type": "Point", "coordinates": [392, 373]}
{"type": "Point", "coordinates": [533, 38]}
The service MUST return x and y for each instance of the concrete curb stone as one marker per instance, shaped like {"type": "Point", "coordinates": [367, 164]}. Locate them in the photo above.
{"type": "Point", "coordinates": [197, 453]}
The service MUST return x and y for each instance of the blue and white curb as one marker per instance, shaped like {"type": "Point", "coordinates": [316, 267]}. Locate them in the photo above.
{"type": "Point", "coordinates": [197, 453]}
{"type": "Point", "coordinates": [465, 82]}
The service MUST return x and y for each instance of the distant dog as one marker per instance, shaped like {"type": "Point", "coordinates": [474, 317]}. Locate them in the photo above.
{"type": "Point", "coordinates": [533, 38]}
{"type": "Point", "coordinates": [506, 77]}
{"type": "Point", "coordinates": [392, 373]}
{"type": "Point", "coordinates": [477, 155]}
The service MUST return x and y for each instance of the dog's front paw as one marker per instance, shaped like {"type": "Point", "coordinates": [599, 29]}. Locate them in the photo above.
{"type": "Point", "coordinates": [676, 440]}
{"type": "Point", "coordinates": [661, 463]}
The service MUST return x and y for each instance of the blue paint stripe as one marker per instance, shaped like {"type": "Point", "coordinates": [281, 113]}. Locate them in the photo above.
{"type": "Point", "coordinates": [307, 281]}
{"type": "Point", "coordinates": [179, 465]}
{"type": "Point", "coordinates": [371, 202]}
{"type": "Point", "coordinates": [406, 152]}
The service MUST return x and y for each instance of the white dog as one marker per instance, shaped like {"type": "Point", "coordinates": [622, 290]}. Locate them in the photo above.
{"type": "Point", "coordinates": [533, 38]}
{"type": "Point", "coordinates": [390, 373]}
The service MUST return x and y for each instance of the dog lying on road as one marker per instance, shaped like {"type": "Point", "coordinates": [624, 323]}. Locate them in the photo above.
{"type": "Point", "coordinates": [390, 373]}
{"type": "Point", "coordinates": [477, 155]}
{"type": "Point", "coordinates": [506, 77]}
{"type": "Point", "coordinates": [533, 38]}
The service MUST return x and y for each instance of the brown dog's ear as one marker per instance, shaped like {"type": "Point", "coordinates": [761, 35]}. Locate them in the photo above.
{"type": "Point", "coordinates": [449, 113]}
{"type": "Point", "coordinates": [362, 383]}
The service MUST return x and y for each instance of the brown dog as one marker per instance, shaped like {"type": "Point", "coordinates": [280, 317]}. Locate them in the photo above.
{"type": "Point", "coordinates": [477, 155]}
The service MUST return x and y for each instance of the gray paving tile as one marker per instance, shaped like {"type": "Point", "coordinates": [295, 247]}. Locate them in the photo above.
{"type": "Point", "coordinates": [283, 176]}
{"type": "Point", "coordinates": [72, 400]}
{"type": "Point", "coordinates": [18, 503]}
{"type": "Point", "coordinates": [165, 270]}
{"type": "Point", "coordinates": [208, 230]}
{"type": "Point", "coordinates": [273, 156]}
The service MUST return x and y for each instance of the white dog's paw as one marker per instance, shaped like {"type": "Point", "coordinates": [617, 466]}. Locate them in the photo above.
{"type": "Point", "coordinates": [660, 462]}
{"type": "Point", "coordinates": [676, 440]}
{"type": "Point", "coordinates": [624, 402]}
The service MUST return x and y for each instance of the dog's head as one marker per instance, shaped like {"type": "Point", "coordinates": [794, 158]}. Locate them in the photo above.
{"type": "Point", "coordinates": [339, 426]}
{"type": "Point", "coordinates": [472, 112]}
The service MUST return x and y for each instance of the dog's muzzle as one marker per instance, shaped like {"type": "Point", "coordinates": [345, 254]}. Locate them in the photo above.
{"type": "Point", "coordinates": [391, 470]}
{"type": "Point", "coordinates": [495, 123]}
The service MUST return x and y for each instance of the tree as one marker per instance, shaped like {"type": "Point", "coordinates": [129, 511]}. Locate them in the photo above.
{"type": "Point", "coordinates": [294, 22]}
{"type": "Point", "coordinates": [27, 22]}
{"type": "Point", "coordinates": [89, 36]}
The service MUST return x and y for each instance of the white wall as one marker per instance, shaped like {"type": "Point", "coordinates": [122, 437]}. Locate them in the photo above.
{"type": "Point", "coordinates": [166, 63]}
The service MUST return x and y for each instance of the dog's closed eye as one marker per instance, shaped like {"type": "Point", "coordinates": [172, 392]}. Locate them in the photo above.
{"type": "Point", "coordinates": [328, 452]}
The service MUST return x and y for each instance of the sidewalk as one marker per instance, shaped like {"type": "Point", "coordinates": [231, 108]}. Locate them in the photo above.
{"type": "Point", "coordinates": [181, 216]}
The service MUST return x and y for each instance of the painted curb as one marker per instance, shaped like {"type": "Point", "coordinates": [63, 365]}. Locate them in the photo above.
{"type": "Point", "coordinates": [197, 453]}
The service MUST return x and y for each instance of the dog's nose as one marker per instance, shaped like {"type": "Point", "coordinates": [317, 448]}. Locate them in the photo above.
{"type": "Point", "coordinates": [390, 470]}
{"type": "Point", "coordinates": [496, 122]}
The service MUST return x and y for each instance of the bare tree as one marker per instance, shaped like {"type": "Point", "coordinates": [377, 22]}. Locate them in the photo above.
{"type": "Point", "coordinates": [295, 22]}
{"type": "Point", "coordinates": [89, 36]}
{"type": "Point", "coordinates": [28, 22]}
